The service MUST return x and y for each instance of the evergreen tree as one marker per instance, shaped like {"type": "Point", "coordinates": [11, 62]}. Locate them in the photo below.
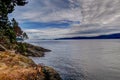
{"type": "Point", "coordinates": [7, 7]}
{"type": "Point", "coordinates": [18, 31]}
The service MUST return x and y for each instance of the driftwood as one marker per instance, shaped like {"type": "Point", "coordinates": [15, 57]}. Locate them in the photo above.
{"type": "Point", "coordinates": [2, 48]}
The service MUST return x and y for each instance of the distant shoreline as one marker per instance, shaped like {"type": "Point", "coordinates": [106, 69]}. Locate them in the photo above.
{"type": "Point", "coordinates": [110, 36]}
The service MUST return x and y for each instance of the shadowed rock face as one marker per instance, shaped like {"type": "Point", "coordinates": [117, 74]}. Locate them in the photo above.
{"type": "Point", "coordinates": [50, 73]}
{"type": "Point", "coordinates": [31, 50]}
{"type": "Point", "coordinates": [17, 67]}
{"type": "Point", "coordinates": [35, 51]}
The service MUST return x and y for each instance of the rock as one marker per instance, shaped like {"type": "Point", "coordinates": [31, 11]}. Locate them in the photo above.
{"type": "Point", "coordinates": [50, 73]}
{"type": "Point", "coordinates": [37, 48]}
{"type": "Point", "coordinates": [34, 53]}
{"type": "Point", "coordinates": [27, 49]}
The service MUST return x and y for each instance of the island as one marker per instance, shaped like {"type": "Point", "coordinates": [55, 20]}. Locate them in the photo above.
{"type": "Point", "coordinates": [107, 36]}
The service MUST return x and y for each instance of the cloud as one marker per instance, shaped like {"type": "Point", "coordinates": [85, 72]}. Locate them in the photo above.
{"type": "Point", "coordinates": [48, 33]}
{"type": "Point", "coordinates": [84, 17]}
{"type": "Point", "coordinates": [48, 10]}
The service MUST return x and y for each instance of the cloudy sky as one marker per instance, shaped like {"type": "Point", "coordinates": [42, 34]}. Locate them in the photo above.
{"type": "Point", "coordinates": [48, 19]}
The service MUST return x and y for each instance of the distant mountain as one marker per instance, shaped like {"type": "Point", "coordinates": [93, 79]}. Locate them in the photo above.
{"type": "Point", "coordinates": [110, 36]}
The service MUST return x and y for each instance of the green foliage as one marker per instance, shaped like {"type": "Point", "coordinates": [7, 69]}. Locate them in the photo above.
{"type": "Point", "coordinates": [21, 48]}
{"type": "Point", "coordinates": [8, 5]}
{"type": "Point", "coordinates": [11, 34]}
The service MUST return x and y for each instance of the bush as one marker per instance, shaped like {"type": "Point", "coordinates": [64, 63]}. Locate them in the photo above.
{"type": "Point", "coordinates": [21, 47]}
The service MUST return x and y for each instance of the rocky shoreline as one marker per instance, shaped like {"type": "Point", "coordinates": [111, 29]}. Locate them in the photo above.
{"type": "Point", "coordinates": [15, 65]}
{"type": "Point", "coordinates": [25, 49]}
{"type": "Point", "coordinates": [34, 51]}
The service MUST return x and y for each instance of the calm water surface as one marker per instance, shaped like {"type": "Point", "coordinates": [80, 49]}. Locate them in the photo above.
{"type": "Point", "coordinates": [82, 59]}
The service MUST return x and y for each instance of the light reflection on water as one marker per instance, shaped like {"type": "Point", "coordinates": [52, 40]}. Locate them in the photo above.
{"type": "Point", "coordinates": [82, 59]}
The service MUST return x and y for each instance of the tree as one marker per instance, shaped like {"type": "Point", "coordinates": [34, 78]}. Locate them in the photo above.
{"type": "Point", "coordinates": [7, 7]}
{"type": "Point", "coordinates": [18, 31]}
{"type": "Point", "coordinates": [25, 36]}
{"type": "Point", "coordinates": [10, 34]}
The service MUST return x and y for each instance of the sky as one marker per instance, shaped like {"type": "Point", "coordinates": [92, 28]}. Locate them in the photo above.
{"type": "Point", "coordinates": [49, 19]}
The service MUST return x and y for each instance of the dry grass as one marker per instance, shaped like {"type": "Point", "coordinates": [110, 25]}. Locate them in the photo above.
{"type": "Point", "coordinates": [17, 67]}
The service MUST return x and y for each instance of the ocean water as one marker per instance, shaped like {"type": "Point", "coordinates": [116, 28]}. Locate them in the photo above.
{"type": "Point", "coordinates": [82, 59]}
